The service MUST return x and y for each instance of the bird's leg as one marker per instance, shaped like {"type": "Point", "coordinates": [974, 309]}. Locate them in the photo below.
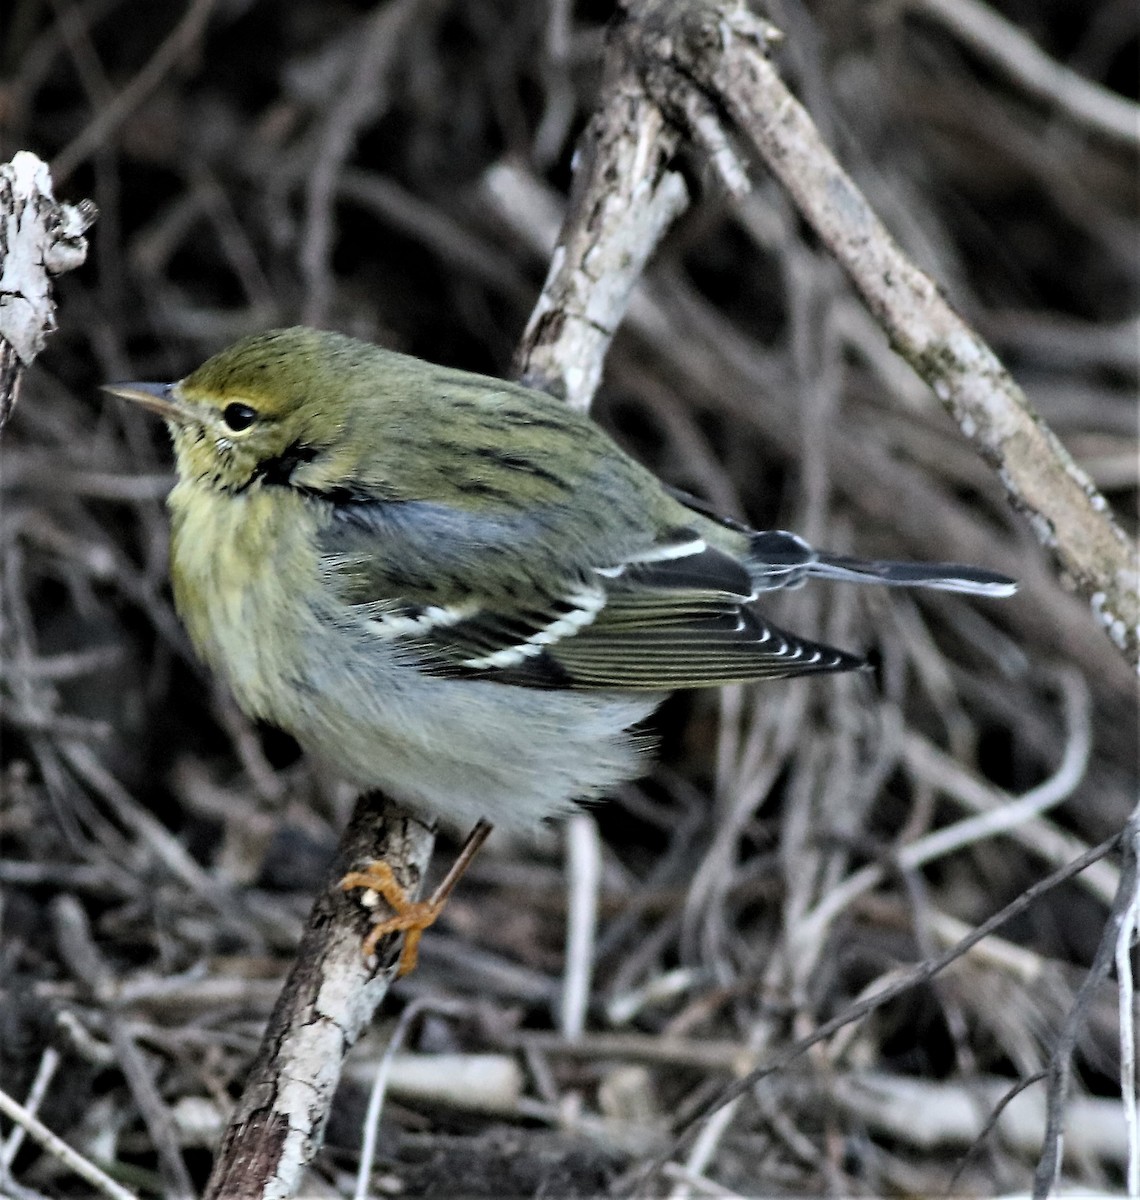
{"type": "Point", "coordinates": [411, 917]}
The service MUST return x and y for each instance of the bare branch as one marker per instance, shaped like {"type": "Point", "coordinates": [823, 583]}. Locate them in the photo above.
{"type": "Point", "coordinates": [39, 238]}
{"type": "Point", "coordinates": [327, 1000]}
{"type": "Point", "coordinates": [624, 199]}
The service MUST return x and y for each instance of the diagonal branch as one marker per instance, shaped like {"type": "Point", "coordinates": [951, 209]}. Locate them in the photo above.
{"type": "Point", "coordinates": [327, 1000]}
{"type": "Point", "coordinates": [717, 48]}
{"type": "Point", "coordinates": [624, 198]}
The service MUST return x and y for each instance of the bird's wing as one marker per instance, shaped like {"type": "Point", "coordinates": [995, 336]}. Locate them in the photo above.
{"type": "Point", "coordinates": [667, 611]}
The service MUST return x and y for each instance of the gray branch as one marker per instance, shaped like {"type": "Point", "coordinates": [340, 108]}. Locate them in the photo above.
{"type": "Point", "coordinates": [327, 1000]}
{"type": "Point", "coordinates": [624, 198]}
{"type": "Point", "coordinates": [39, 239]}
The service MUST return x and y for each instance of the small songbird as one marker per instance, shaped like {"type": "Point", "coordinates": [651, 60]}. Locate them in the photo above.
{"type": "Point", "coordinates": [458, 590]}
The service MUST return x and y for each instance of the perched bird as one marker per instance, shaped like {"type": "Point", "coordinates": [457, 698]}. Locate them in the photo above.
{"type": "Point", "coordinates": [457, 590]}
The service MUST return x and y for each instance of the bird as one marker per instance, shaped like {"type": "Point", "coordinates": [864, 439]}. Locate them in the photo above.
{"type": "Point", "coordinates": [458, 590]}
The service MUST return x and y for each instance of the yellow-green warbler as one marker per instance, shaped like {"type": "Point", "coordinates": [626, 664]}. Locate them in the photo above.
{"type": "Point", "coordinates": [454, 589]}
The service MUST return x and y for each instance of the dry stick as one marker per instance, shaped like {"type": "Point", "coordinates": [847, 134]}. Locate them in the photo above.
{"type": "Point", "coordinates": [376, 1097]}
{"type": "Point", "coordinates": [623, 201]}
{"type": "Point", "coordinates": [78, 949]}
{"type": "Point", "coordinates": [1126, 999]}
{"type": "Point", "coordinates": [584, 878]}
{"type": "Point", "coordinates": [380, 1083]}
{"type": "Point", "coordinates": [49, 1064]}
{"type": "Point", "coordinates": [364, 95]}
{"type": "Point", "coordinates": [1002, 819]}
{"type": "Point", "coordinates": [39, 238]}
{"type": "Point", "coordinates": [179, 42]}
{"type": "Point", "coordinates": [929, 1114]}
{"type": "Point", "coordinates": [328, 998]}
{"type": "Point", "coordinates": [59, 1149]}
{"type": "Point", "coordinates": [1126, 941]}
{"type": "Point", "coordinates": [1060, 1066]}
{"type": "Point", "coordinates": [718, 50]}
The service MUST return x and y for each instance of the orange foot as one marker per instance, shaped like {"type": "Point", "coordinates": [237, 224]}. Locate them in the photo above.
{"type": "Point", "coordinates": [410, 917]}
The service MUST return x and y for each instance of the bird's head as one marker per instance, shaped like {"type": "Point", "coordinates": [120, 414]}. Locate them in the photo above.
{"type": "Point", "coordinates": [275, 407]}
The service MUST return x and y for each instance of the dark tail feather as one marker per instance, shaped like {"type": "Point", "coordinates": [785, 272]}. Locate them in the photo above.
{"type": "Point", "coordinates": [944, 577]}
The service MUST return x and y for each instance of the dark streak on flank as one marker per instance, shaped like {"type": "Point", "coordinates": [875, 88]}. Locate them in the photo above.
{"type": "Point", "coordinates": [476, 487]}
{"type": "Point", "coordinates": [515, 462]}
{"type": "Point", "coordinates": [343, 497]}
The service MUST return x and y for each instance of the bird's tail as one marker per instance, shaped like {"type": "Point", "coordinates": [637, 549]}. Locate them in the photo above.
{"type": "Point", "coordinates": [943, 577]}
{"type": "Point", "coordinates": [779, 559]}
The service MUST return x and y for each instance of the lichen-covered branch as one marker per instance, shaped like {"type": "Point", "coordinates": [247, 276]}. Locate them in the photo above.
{"type": "Point", "coordinates": [39, 239]}
{"type": "Point", "coordinates": [327, 1000]}
{"type": "Point", "coordinates": [624, 198]}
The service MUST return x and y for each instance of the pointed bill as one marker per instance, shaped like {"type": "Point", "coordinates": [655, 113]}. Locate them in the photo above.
{"type": "Point", "coordinates": [158, 397]}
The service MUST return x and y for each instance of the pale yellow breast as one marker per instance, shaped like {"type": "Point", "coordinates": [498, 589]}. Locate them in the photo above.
{"type": "Point", "coordinates": [244, 569]}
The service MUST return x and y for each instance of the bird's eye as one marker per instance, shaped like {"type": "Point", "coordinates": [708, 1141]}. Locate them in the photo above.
{"type": "Point", "coordinates": [239, 416]}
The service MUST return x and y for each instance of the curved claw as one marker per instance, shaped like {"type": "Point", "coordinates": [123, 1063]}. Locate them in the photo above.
{"type": "Point", "coordinates": [410, 917]}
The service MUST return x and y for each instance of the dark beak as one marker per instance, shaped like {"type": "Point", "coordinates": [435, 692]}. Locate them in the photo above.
{"type": "Point", "coordinates": [158, 397]}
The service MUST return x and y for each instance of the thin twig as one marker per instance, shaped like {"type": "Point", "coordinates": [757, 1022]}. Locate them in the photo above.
{"type": "Point", "coordinates": [1126, 992]}
{"type": "Point", "coordinates": [377, 1094]}
{"type": "Point", "coordinates": [703, 1148]}
{"type": "Point", "coordinates": [49, 1062]}
{"type": "Point", "coordinates": [1001, 819]}
{"type": "Point", "coordinates": [380, 1087]}
{"type": "Point", "coordinates": [1049, 1164]}
{"type": "Point", "coordinates": [59, 1149]}
{"type": "Point", "coordinates": [584, 872]}
{"type": "Point", "coordinates": [359, 99]}
{"type": "Point", "coordinates": [177, 43]}
{"type": "Point", "coordinates": [79, 951]}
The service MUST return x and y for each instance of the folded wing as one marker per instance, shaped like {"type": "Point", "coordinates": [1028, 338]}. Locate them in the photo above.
{"type": "Point", "coordinates": [670, 612]}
